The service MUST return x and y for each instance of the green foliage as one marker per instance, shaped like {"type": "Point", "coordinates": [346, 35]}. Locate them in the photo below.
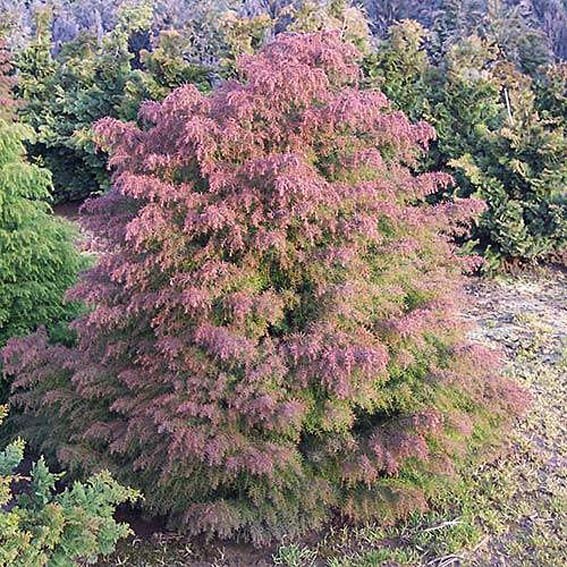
{"type": "Point", "coordinates": [91, 78]}
{"type": "Point", "coordinates": [468, 102]}
{"type": "Point", "coordinates": [165, 67]}
{"type": "Point", "coordinates": [401, 69]}
{"type": "Point", "coordinates": [520, 169]}
{"type": "Point", "coordinates": [38, 260]}
{"type": "Point", "coordinates": [506, 25]}
{"type": "Point", "coordinates": [454, 20]}
{"type": "Point", "coordinates": [500, 134]}
{"type": "Point", "coordinates": [40, 527]}
{"type": "Point", "coordinates": [313, 16]}
{"type": "Point", "coordinates": [64, 95]}
{"type": "Point", "coordinates": [244, 34]}
{"type": "Point", "coordinates": [551, 91]}
{"type": "Point", "coordinates": [520, 42]}
{"type": "Point", "coordinates": [295, 556]}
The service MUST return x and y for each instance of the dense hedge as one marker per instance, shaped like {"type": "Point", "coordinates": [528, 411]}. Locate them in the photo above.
{"type": "Point", "coordinates": [273, 335]}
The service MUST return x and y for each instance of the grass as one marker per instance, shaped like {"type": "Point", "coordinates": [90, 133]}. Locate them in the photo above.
{"type": "Point", "coordinates": [509, 513]}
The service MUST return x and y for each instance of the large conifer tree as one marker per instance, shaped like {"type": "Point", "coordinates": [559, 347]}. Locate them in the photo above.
{"type": "Point", "coordinates": [274, 332]}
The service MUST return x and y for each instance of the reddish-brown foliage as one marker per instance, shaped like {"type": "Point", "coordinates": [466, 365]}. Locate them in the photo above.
{"type": "Point", "coordinates": [274, 333]}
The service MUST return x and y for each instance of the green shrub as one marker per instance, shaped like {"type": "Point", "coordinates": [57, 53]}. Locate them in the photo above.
{"type": "Point", "coordinates": [42, 527]}
{"type": "Point", "coordinates": [520, 169]}
{"type": "Point", "coordinates": [88, 79]}
{"type": "Point", "coordinates": [500, 142]}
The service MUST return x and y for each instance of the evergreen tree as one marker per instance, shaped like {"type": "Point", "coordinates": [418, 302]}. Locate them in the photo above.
{"type": "Point", "coordinates": [400, 68]}
{"type": "Point", "coordinates": [38, 259]}
{"type": "Point", "coordinates": [551, 92]}
{"type": "Point", "coordinates": [492, 135]}
{"type": "Point", "coordinates": [274, 333]}
{"type": "Point", "coordinates": [65, 94]}
{"type": "Point", "coordinates": [520, 170]}
{"type": "Point", "coordinates": [43, 528]}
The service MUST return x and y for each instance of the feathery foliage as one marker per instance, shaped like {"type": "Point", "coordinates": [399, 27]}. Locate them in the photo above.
{"type": "Point", "coordinates": [520, 169]}
{"type": "Point", "coordinates": [274, 333]}
{"type": "Point", "coordinates": [38, 260]}
{"type": "Point", "coordinates": [40, 527]}
{"type": "Point", "coordinates": [111, 72]}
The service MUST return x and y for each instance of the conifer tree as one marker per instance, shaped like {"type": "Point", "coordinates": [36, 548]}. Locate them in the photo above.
{"type": "Point", "coordinates": [551, 92]}
{"type": "Point", "coordinates": [66, 93]}
{"type": "Point", "coordinates": [501, 143]}
{"type": "Point", "coordinates": [400, 67]}
{"type": "Point", "coordinates": [273, 335]}
{"type": "Point", "coordinates": [520, 169]}
{"type": "Point", "coordinates": [38, 259]}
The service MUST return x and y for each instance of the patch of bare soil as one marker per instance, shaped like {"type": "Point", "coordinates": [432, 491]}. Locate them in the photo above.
{"type": "Point", "coordinates": [526, 317]}
{"type": "Point", "coordinates": [68, 210]}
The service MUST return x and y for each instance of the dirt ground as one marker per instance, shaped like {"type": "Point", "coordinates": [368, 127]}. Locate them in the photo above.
{"type": "Point", "coordinates": [527, 317]}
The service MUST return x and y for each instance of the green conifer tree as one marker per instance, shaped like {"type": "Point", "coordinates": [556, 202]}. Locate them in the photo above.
{"type": "Point", "coordinates": [40, 527]}
{"type": "Point", "coordinates": [38, 258]}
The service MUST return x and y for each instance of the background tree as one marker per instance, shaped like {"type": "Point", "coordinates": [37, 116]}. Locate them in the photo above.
{"type": "Point", "coordinates": [530, 31]}
{"type": "Point", "coordinates": [469, 100]}
{"type": "Point", "coordinates": [502, 143]}
{"type": "Point", "coordinates": [551, 92]}
{"type": "Point", "coordinates": [400, 67]}
{"type": "Point", "coordinates": [551, 16]}
{"type": "Point", "coordinates": [64, 95]}
{"type": "Point", "coordinates": [38, 260]}
{"type": "Point", "coordinates": [522, 174]}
